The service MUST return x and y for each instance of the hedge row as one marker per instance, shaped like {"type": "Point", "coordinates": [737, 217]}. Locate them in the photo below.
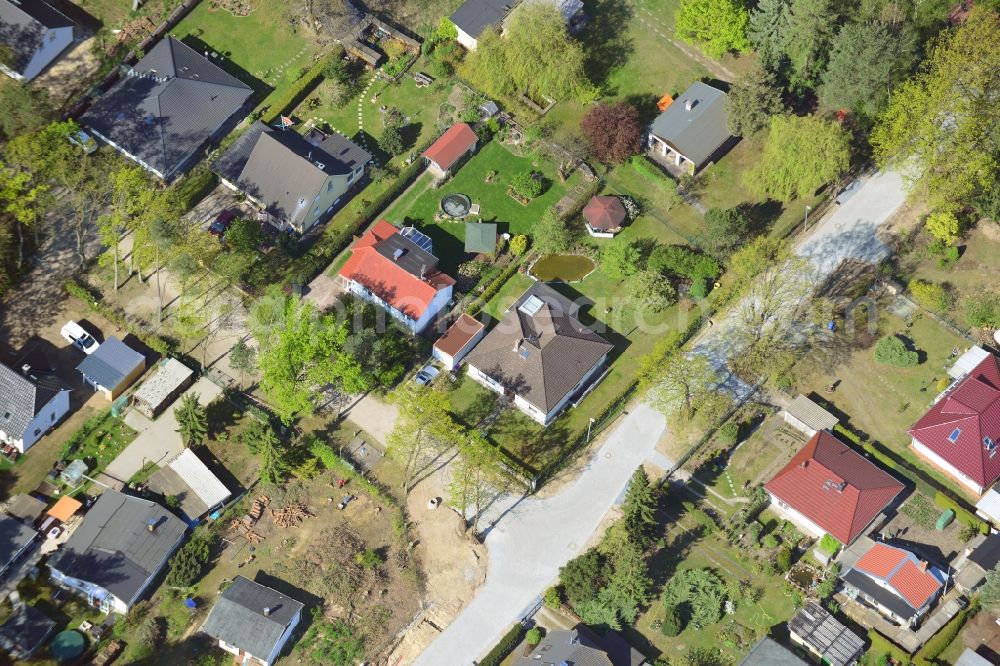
{"type": "Point", "coordinates": [961, 515]}
{"type": "Point", "coordinates": [644, 166]}
{"type": "Point", "coordinates": [506, 645]}
{"type": "Point", "coordinates": [880, 645]}
{"type": "Point", "coordinates": [270, 108]}
{"type": "Point", "coordinates": [158, 344]}
{"type": "Point", "coordinates": [492, 289]}
{"type": "Point", "coordinates": [939, 642]}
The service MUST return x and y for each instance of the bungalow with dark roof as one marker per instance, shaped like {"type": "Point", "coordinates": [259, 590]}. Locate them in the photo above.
{"type": "Point", "coordinates": [252, 621]}
{"type": "Point", "coordinates": [584, 647]}
{"type": "Point", "coordinates": [296, 181]}
{"type": "Point", "coordinates": [445, 153]}
{"type": "Point", "coordinates": [692, 129]}
{"type": "Point", "coordinates": [112, 368]}
{"type": "Point", "coordinates": [828, 488]}
{"type": "Point", "coordinates": [30, 406]}
{"type": "Point", "coordinates": [117, 551]}
{"type": "Point", "coordinates": [894, 582]}
{"type": "Point", "coordinates": [16, 539]}
{"type": "Point", "coordinates": [539, 353]}
{"type": "Point", "coordinates": [36, 34]}
{"type": "Point", "coordinates": [397, 270]}
{"type": "Point", "coordinates": [960, 433]}
{"type": "Point", "coordinates": [166, 107]}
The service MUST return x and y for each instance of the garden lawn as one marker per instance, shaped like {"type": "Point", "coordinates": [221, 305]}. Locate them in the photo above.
{"type": "Point", "coordinates": [418, 206]}
{"type": "Point", "coordinates": [678, 223]}
{"type": "Point", "coordinates": [885, 401]}
{"type": "Point", "coordinates": [263, 44]}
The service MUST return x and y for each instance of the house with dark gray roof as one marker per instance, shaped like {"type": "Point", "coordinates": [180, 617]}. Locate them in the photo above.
{"type": "Point", "coordinates": [34, 33]}
{"type": "Point", "coordinates": [692, 129]}
{"type": "Point", "coordinates": [252, 621]}
{"type": "Point", "coordinates": [582, 646]}
{"type": "Point", "coordinates": [474, 17]}
{"type": "Point", "coordinates": [112, 368]}
{"type": "Point", "coordinates": [117, 551]}
{"type": "Point", "coordinates": [540, 353]}
{"type": "Point", "coordinates": [30, 405]}
{"type": "Point", "coordinates": [166, 107]}
{"type": "Point", "coordinates": [16, 539]}
{"type": "Point", "coordinates": [25, 631]}
{"type": "Point", "coordinates": [768, 652]}
{"type": "Point", "coordinates": [294, 180]}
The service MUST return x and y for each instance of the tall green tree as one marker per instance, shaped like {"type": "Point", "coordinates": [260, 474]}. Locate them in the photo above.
{"type": "Point", "coordinates": [941, 124]}
{"type": "Point", "coordinates": [243, 358]}
{"type": "Point", "coordinates": [866, 61]}
{"type": "Point", "coordinates": [639, 509]}
{"type": "Point", "coordinates": [550, 235]}
{"type": "Point", "coordinates": [620, 259]}
{"type": "Point", "coordinates": [478, 476]}
{"type": "Point", "coordinates": [685, 381]}
{"type": "Point", "coordinates": [24, 200]}
{"type": "Point", "coordinates": [23, 108]}
{"type": "Point", "coordinates": [726, 229]}
{"type": "Point", "coordinates": [989, 593]}
{"type": "Point", "coordinates": [811, 24]}
{"type": "Point", "coordinates": [800, 155]}
{"type": "Point", "coordinates": [424, 430]}
{"type": "Point", "coordinates": [262, 441]}
{"type": "Point", "coordinates": [753, 100]}
{"type": "Point", "coordinates": [715, 26]}
{"type": "Point", "coordinates": [130, 195]}
{"type": "Point", "coordinates": [767, 30]}
{"type": "Point", "coordinates": [192, 420]}
{"type": "Point", "coordinates": [535, 55]}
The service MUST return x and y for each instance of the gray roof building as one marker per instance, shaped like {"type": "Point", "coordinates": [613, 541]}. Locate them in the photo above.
{"type": "Point", "coordinates": [112, 363]}
{"type": "Point", "coordinates": [475, 16]}
{"type": "Point", "coordinates": [25, 631]}
{"type": "Point", "coordinates": [15, 537]}
{"type": "Point", "coordinates": [971, 658]}
{"type": "Point", "coordinates": [694, 125]}
{"type": "Point", "coordinates": [192, 482]}
{"type": "Point", "coordinates": [768, 652]}
{"type": "Point", "coordinates": [540, 350]}
{"type": "Point", "coordinates": [252, 618]}
{"type": "Point", "coordinates": [26, 508]}
{"type": "Point", "coordinates": [581, 646]}
{"type": "Point", "coordinates": [21, 399]}
{"type": "Point", "coordinates": [121, 545]}
{"type": "Point", "coordinates": [283, 169]}
{"type": "Point", "coordinates": [816, 630]}
{"type": "Point", "coordinates": [166, 106]}
{"type": "Point", "coordinates": [24, 26]}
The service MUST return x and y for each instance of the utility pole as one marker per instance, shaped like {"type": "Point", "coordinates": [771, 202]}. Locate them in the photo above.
{"type": "Point", "coordinates": [589, 424]}
{"type": "Point", "coordinates": [806, 225]}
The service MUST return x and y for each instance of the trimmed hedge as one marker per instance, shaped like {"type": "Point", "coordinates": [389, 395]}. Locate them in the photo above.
{"type": "Point", "coordinates": [642, 164]}
{"type": "Point", "coordinates": [158, 344]}
{"type": "Point", "coordinates": [492, 289]}
{"type": "Point", "coordinates": [961, 515]}
{"type": "Point", "coordinates": [939, 642]}
{"type": "Point", "coordinates": [506, 645]}
{"type": "Point", "coordinates": [270, 109]}
{"type": "Point", "coordinates": [881, 645]}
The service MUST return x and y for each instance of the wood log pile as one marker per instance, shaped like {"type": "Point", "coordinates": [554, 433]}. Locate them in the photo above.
{"type": "Point", "coordinates": [291, 515]}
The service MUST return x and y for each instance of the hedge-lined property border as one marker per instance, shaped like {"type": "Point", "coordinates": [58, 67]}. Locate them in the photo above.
{"type": "Point", "coordinates": [506, 645]}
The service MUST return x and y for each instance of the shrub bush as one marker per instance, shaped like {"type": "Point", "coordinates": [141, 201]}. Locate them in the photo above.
{"type": "Point", "coordinates": [518, 245]}
{"type": "Point", "coordinates": [506, 645]}
{"type": "Point", "coordinates": [492, 289]}
{"type": "Point", "coordinates": [828, 544]}
{"type": "Point", "coordinates": [729, 433]}
{"type": "Point", "coordinates": [672, 623]}
{"type": "Point", "coordinates": [528, 184]}
{"type": "Point", "coordinates": [553, 598]}
{"type": "Point", "coordinates": [684, 262]}
{"type": "Point", "coordinates": [770, 541]}
{"type": "Point", "coordinates": [891, 350]}
{"type": "Point", "coordinates": [699, 289]}
{"type": "Point", "coordinates": [784, 559]}
{"type": "Point", "coordinates": [929, 295]}
{"type": "Point", "coordinates": [533, 637]}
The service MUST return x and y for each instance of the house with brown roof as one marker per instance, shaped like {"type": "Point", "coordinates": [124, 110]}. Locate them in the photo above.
{"type": "Point", "coordinates": [540, 354]}
{"type": "Point", "coordinates": [396, 269]}
{"type": "Point", "coordinates": [458, 341]}
{"type": "Point", "coordinates": [960, 432]}
{"type": "Point", "coordinates": [444, 155]}
{"type": "Point", "coordinates": [604, 216]}
{"type": "Point", "coordinates": [895, 583]}
{"type": "Point", "coordinates": [828, 488]}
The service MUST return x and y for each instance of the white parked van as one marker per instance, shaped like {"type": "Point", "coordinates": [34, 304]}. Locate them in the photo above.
{"type": "Point", "coordinates": [79, 338]}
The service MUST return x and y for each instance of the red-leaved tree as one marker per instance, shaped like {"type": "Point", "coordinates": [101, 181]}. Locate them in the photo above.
{"type": "Point", "coordinates": [613, 132]}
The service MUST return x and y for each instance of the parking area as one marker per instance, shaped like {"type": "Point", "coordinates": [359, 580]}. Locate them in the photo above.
{"type": "Point", "coordinates": [218, 200]}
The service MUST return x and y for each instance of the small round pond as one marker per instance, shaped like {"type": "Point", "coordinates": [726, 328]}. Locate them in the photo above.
{"type": "Point", "coordinates": [562, 268]}
{"type": "Point", "coordinates": [456, 205]}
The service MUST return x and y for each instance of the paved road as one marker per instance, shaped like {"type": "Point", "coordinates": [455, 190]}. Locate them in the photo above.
{"type": "Point", "coordinates": [848, 232]}
{"type": "Point", "coordinates": [537, 536]}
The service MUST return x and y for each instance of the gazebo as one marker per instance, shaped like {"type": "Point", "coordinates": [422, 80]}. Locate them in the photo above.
{"type": "Point", "coordinates": [605, 216]}
{"type": "Point", "coordinates": [480, 237]}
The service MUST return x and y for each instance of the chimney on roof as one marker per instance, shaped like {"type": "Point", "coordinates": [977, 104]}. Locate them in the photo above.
{"type": "Point", "coordinates": [804, 464]}
{"type": "Point", "coordinates": [423, 271]}
{"type": "Point", "coordinates": [26, 369]}
{"type": "Point", "coordinates": [689, 104]}
{"type": "Point", "coordinates": [517, 344]}
{"type": "Point", "coordinates": [151, 524]}
{"type": "Point", "coordinates": [841, 486]}
{"type": "Point", "coordinates": [267, 611]}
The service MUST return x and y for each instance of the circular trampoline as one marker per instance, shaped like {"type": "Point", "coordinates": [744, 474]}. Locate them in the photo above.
{"type": "Point", "coordinates": [456, 205]}
{"type": "Point", "coordinates": [67, 645]}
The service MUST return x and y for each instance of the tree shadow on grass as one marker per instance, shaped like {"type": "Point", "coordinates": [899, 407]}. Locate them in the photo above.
{"type": "Point", "coordinates": [608, 45]}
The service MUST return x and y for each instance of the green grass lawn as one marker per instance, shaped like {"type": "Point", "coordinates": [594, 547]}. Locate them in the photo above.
{"type": "Point", "coordinates": [101, 440]}
{"type": "Point", "coordinates": [262, 44]}
{"type": "Point", "coordinates": [419, 205]}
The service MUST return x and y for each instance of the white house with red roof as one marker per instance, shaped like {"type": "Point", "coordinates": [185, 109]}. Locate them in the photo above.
{"type": "Point", "coordinates": [895, 582]}
{"type": "Point", "coordinates": [445, 153]}
{"type": "Point", "coordinates": [395, 269]}
{"type": "Point", "coordinates": [960, 433]}
{"type": "Point", "coordinates": [828, 488]}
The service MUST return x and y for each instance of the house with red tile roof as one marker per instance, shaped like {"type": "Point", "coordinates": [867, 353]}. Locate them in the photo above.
{"type": "Point", "coordinates": [828, 488]}
{"type": "Point", "coordinates": [960, 432]}
{"type": "Point", "coordinates": [445, 153]}
{"type": "Point", "coordinates": [895, 582]}
{"type": "Point", "coordinates": [397, 270]}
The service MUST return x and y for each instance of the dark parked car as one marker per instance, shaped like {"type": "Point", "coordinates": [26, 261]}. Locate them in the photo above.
{"type": "Point", "coordinates": [222, 222]}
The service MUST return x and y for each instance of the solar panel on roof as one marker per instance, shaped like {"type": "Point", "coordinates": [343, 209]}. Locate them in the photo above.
{"type": "Point", "coordinates": [419, 239]}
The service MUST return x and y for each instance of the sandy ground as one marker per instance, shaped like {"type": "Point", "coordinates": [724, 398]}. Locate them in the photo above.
{"type": "Point", "coordinates": [454, 565]}
{"type": "Point", "coordinates": [69, 74]}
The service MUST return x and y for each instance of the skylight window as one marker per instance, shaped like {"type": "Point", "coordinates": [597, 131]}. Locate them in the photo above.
{"type": "Point", "coordinates": [953, 437]}
{"type": "Point", "coordinates": [989, 444]}
{"type": "Point", "coordinates": [531, 306]}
